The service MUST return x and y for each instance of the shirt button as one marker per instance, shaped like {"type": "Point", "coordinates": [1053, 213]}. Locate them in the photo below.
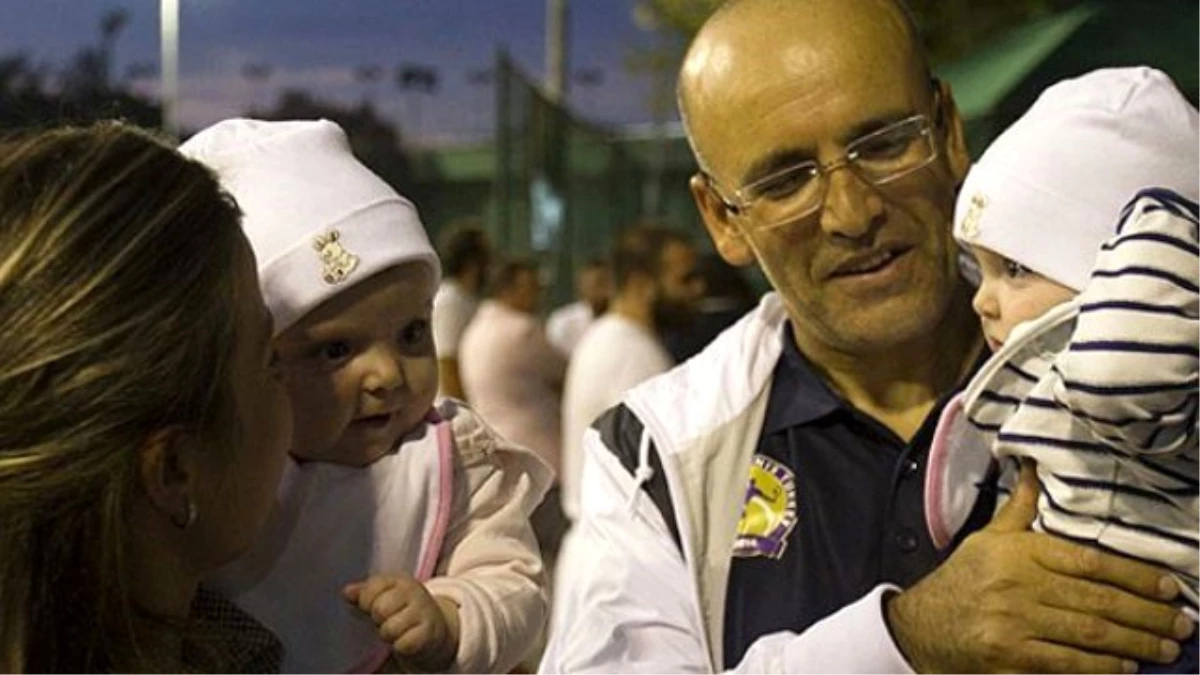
{"type": "Point", "coordinates": [906, 541]}
{"type": "Point", "coordinates": [911, 467]}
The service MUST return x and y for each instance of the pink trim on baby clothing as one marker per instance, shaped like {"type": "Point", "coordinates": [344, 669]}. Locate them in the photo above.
{"type": "Point", "coordinates": [433, 547]}
{"type": "Point", "coordinates": [437, 535]}
{"type": "Point", "coordinates": [935, 475]}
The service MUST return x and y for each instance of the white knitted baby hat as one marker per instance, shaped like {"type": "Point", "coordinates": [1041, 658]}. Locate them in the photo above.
{"type": "Point", "coordinates": [1049, 191]}
{"type": "Point", "coordinates": [318, 220]}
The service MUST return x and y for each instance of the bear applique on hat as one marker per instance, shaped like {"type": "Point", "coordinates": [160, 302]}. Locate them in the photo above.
{"type": "Point", "coordinates": [1049, 191]}
{"type": "Point", "coordinates": [319, 221]}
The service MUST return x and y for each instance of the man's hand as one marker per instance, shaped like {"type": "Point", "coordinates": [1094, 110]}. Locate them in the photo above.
{"type": "Point", "coordinates": [1014, 600]}
{"type": "Point", "coordinates": [421, 629]}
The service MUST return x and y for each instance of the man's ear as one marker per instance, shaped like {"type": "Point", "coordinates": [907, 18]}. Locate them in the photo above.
{"type": "Point", "coordinates": [727, 238]}
{"type": "Point", "coordinates": [954, 137]}
{"type": "Point", "coordinates": [167, 471]}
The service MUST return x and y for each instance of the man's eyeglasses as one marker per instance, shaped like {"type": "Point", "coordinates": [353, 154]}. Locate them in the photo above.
{"type": "Point", "coordinates": [879, 157]}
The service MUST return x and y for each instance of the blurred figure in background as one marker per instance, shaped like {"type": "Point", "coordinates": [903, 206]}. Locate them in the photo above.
{"type": "Point", "coordinates": [514, 377]}
{"type": "Point", "coordinates": [466, 254]}
{"type": "Point", "coordinates": [657, 288]}
{"type": "Point", "coordinates": [593, 290]}
{"type": "Point", "coordinates": [510, 371]}
{"type": "Point", "coordinates": [727, 297]}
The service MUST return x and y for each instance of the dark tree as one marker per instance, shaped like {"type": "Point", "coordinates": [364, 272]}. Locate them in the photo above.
{"type": "Point", "coordinates": [374, 140]}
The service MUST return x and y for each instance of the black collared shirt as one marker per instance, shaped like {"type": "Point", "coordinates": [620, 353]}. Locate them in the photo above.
{"type": "Point", "coordinates": [838, 509]}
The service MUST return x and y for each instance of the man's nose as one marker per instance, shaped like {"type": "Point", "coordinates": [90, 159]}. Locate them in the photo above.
{"type": "Point", "coordinates": [984, 303]}
{"type": "Point", "coordinates": [851, 205]}
{"type": "Point", "coordinates": [384, 369]}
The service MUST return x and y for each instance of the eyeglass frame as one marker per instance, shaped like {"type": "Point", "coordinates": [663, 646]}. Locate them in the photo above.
{"type": "Point", "coordinates": [741, 209]}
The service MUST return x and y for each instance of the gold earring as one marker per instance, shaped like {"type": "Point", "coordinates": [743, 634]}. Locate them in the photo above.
{"type": "Point", "coordinates": [189, 516]}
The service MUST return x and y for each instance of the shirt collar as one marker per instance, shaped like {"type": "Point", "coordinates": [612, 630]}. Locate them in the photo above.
{"type": "Point", "coordinates": [798, 395]}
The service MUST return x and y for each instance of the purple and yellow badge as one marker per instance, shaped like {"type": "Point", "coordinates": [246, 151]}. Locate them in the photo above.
{"type": "Point", "coordinates": [769, 513]}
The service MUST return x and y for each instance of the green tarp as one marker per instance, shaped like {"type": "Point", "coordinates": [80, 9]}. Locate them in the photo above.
{"type": "Point", "coordinates": [996, 84]}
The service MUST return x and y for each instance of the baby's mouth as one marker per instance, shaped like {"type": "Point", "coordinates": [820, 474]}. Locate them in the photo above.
{"type": "Point", "coordinates": [373, 421]}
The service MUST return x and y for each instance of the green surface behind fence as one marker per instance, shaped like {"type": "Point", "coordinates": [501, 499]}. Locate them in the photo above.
{"type": "Point", "coordinates": [563, 188]}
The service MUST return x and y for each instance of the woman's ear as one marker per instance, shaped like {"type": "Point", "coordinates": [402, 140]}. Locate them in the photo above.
{"type": "Point", "coordinates": [168, 473]}
{"type": "Point", "coordinates": [728, 239]}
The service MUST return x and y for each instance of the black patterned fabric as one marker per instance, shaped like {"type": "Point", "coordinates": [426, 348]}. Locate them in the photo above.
{"type": "Point", "coordinates": [223, 638]}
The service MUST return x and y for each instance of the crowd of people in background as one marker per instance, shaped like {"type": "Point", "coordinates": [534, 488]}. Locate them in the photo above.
{"type": "Point", "coordinates": [638, 311]}
{"type": "Point", "coordinates": [652, 302]}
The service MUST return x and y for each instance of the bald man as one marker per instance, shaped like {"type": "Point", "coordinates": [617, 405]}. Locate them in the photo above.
{"type": "Point", "coordinates": [759, 508]}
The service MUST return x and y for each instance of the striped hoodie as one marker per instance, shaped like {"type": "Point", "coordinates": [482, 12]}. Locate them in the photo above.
{"type": "Point", "coordinates": [1102, 393]}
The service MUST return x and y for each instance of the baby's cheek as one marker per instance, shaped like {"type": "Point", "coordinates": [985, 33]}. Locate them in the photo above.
{"type": "Point", "coordinates": [421, 377]}
{"type": "Point", "coordinates": [316, 402]}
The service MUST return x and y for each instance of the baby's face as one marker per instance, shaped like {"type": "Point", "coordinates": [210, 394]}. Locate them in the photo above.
{"type": "Point", "coordinates": [360, 369]}
{"type": "Point", "coordinates": [1010, 294]}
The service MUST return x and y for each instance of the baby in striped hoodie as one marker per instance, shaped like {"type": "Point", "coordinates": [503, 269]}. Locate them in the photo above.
{"type": "Point", "coordinates": [1081, 220]}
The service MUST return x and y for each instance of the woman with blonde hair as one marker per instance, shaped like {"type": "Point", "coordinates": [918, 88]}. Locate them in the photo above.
{"type": "Point", "coordinates": [142, 423]}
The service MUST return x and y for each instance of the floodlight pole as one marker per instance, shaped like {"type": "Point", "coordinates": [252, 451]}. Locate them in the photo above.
{"type": "Point", "coordinates": [556, 50]}
{"type": "Point", "coordinates": [169, 66]}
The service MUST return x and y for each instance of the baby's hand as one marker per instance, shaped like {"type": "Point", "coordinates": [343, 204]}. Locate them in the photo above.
{"type": "Point", "coordinates": [421, 629]}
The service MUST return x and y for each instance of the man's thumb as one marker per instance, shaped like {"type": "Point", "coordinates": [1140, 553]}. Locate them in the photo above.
{"type": "Point", "coordinates": [1018, 513]}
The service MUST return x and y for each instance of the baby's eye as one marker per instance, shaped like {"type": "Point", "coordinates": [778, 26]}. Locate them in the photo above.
{"type": "Point", "coordinates": [414, 334]}
{"type": "Point", "coordinates": [334, 351]}
{"type": "Point", "coordinates": [1015, 269]}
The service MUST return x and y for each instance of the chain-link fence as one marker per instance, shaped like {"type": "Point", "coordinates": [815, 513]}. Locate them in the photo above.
{"type": "Point", "coordinates": [563, 188]}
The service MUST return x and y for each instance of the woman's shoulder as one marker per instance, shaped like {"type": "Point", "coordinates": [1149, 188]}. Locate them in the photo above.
{"type": "Point", "coordinates": [229, 639]}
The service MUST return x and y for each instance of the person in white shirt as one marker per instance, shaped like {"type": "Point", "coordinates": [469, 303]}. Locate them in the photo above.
{"type": "Point", "coordinates": [593, 288]}
{"type": "Point", "coordinates": [657, 287]}
{"type": "Point", "coordinates": [514, 377]}
{"type": "Point", "coordinates": [465, 254]}
{"type": "Point", "coordinates": [510, 372]}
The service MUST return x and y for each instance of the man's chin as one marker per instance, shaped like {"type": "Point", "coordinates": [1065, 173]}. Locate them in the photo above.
{"type": "Point", "coordinates": [892, 323]}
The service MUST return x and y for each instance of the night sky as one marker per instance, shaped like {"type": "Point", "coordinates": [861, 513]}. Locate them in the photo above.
{"type": "Point", "coordinates": [318, 44]}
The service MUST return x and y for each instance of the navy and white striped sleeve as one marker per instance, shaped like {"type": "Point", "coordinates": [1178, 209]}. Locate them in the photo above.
{"type": "Point", "coordinates": [1130, 371]}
